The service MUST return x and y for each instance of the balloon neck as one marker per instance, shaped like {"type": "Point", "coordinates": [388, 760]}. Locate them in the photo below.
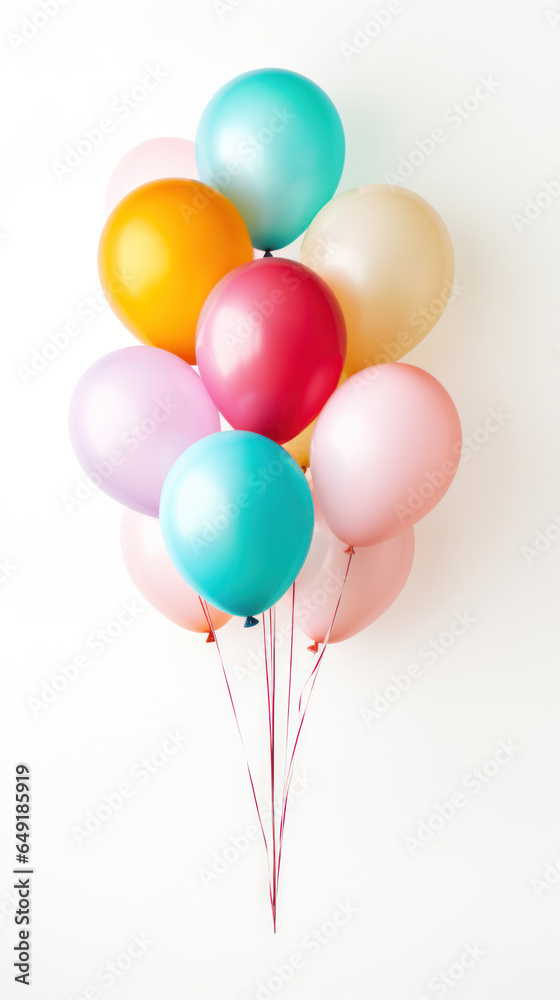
{"type": "Point", "coordinates": [268, 253]}
{"type": "Point", "coordinates": [250, 621]}
{"type": "Point", "coordinates": [210, 637]}
{"type": "Point", "coordinates": [314, 648]}
{"type": "Point", "coordinates": [349, 551]}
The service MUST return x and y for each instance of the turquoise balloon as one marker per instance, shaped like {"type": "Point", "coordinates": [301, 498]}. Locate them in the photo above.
{"type": "Point", "coordinates": [272, 141]}
{"type": "Point", "coordinates": [236, 514]}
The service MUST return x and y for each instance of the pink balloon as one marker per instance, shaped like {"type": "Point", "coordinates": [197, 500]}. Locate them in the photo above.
{"type": "Point", "coordinates": [270, 346]}
{"type": "Point", "coordinates": [384, 451]}
{"type": "Point", "coordinates": [133, 413]}
{"type": "Point", "coordinates": [150, 161]}
{"type": "Point", "coordinates": [375, 579]}
{"type": "Point", "coordinates": [154, 574]}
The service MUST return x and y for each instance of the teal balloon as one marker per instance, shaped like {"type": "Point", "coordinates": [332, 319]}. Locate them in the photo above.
{"type": "Point", "coordinates": [236, 514]}
{"type": "Point", "coordinates": [272, 141]}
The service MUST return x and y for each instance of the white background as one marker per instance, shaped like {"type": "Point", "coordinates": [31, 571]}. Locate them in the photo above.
{"type": "Point", "coordinates": [370, 786]}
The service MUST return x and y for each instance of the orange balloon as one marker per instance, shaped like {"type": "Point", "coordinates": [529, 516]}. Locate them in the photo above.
{"type": "Point", "coordinates": [162, 250]}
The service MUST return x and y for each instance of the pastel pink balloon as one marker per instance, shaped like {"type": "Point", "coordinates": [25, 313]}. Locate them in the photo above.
{"type": "Point", "coordinates": [384, 452]}
{"type": "Point", "coordinates": [150, 161]}
{"type": "Point", "coordinates": [375, 579]}
{"type": "Point", "coordinates": [154, 574]}
{"type": "Point", "coordinates": [132, 414]}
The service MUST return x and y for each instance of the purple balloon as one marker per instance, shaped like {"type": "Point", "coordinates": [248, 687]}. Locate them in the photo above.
{"type": "Point", "coordinates": [132, 415]}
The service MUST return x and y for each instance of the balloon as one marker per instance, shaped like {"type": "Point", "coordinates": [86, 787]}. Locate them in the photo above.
{"type": "Point", "coordinates": [150, 161]}
{"type": "Point", "coordinates": [162, 250]}
{"type": "Point", "coordinates": [384, 451]}
{"type": "Point", "coordinates": [131, 415]}
{"type": "Point", "coordinates": [298, 447]}
{"type": "Point", "coordinates": [273, 142]}
{"type": "Point", "coordinates": [151, 569]}
{"type": "Point", "coordinates": [376, 576]}
{"type": "Point", "coordinates": [270, 347]}
{"type": "Point", "coordinates": [388, 257]}
{"type": "Point", "coordinates": [237, 519]}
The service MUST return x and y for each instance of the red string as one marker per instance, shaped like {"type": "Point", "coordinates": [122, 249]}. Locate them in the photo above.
{"type": "Point", "coordinates": [271, 881]}
{"type": "Point", "coordinates": [311, 679]}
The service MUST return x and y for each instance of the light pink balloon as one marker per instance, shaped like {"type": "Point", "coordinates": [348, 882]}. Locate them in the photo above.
{"type": "Point", "coordinates": [384, 451]}
{"type": "Point", "coordinates": [133, 413]}
{"type": "Point", "coordinates": [151, 569]}
{"type": "Point", "coordinates": [375, 579]}
{"type": "Point", "coordinates": [150, 161]}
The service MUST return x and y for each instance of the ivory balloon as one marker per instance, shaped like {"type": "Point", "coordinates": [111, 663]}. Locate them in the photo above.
{"type": "Point", "coordinates": [151, 569]}
{"type": "Point", "coordinates": [375, 579]}
{"type": "Point", "coordinates": [388, 257]}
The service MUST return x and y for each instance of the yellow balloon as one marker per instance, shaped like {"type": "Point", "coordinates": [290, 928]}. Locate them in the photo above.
{"type": "Point", "coordinates": [162, 250]}
{"type": "Point", "coordinates": [299, 446]}
{"type": "Point", "coordinates": [388, 257]}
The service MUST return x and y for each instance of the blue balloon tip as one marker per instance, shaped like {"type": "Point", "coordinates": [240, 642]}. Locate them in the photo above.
{"type": "Point", "coordinates": [250, 621]}
{"type": "Point", "coordinates": [268, 253]}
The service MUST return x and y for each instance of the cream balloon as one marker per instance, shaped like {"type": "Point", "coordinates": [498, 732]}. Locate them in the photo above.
{"type": "Point", "coordinates": [388, 257]}
{"type": "Point", "coordinates": [151, 569]}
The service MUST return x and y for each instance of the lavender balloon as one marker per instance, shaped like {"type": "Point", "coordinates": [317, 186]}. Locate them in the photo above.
{"type": "Point", "coordinates": [133, 413]}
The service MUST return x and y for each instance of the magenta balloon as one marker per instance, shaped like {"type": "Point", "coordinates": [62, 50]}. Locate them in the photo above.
{"type": "Point", "coordinates": [270, 346]}
{"type": "Point", "coordinates": [132, 415]}
{"type": "Point", "coordinates": [150, 161]}
{"type": "Point", "coordinates": [375, 579]}
{"type": "Point", "coordinates": [384, 451]}
{"type": "Point", "coordinates": [151, 569]}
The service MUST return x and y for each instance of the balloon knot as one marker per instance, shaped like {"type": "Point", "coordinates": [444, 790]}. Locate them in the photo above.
{"type": "Point", "coordinates": [304, 469]}
{"type": "Point", "coordinates": [210, 638]}
{"type": "Point", "coordinates": [267, 253]}
{"type": "Point", "coordinates": [349, 551]}
{"type": "Point", "coordinates": [314, 648]}
{"type": "Point", "coordinates": [250, 621]}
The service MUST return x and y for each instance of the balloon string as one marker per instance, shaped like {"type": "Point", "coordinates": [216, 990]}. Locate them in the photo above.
{"type": "Point", "coordinates": [272, 623]}
{"type": "Point", "coordinates": [311, 679]}
{"type": "Point", "coordinates": [208, 617]}
{"type": "Point", "coordinates": [270, 684]}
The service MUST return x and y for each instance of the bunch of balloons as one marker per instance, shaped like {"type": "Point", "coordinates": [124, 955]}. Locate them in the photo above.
{"type": "Point", "coordinates": [336, 449]}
